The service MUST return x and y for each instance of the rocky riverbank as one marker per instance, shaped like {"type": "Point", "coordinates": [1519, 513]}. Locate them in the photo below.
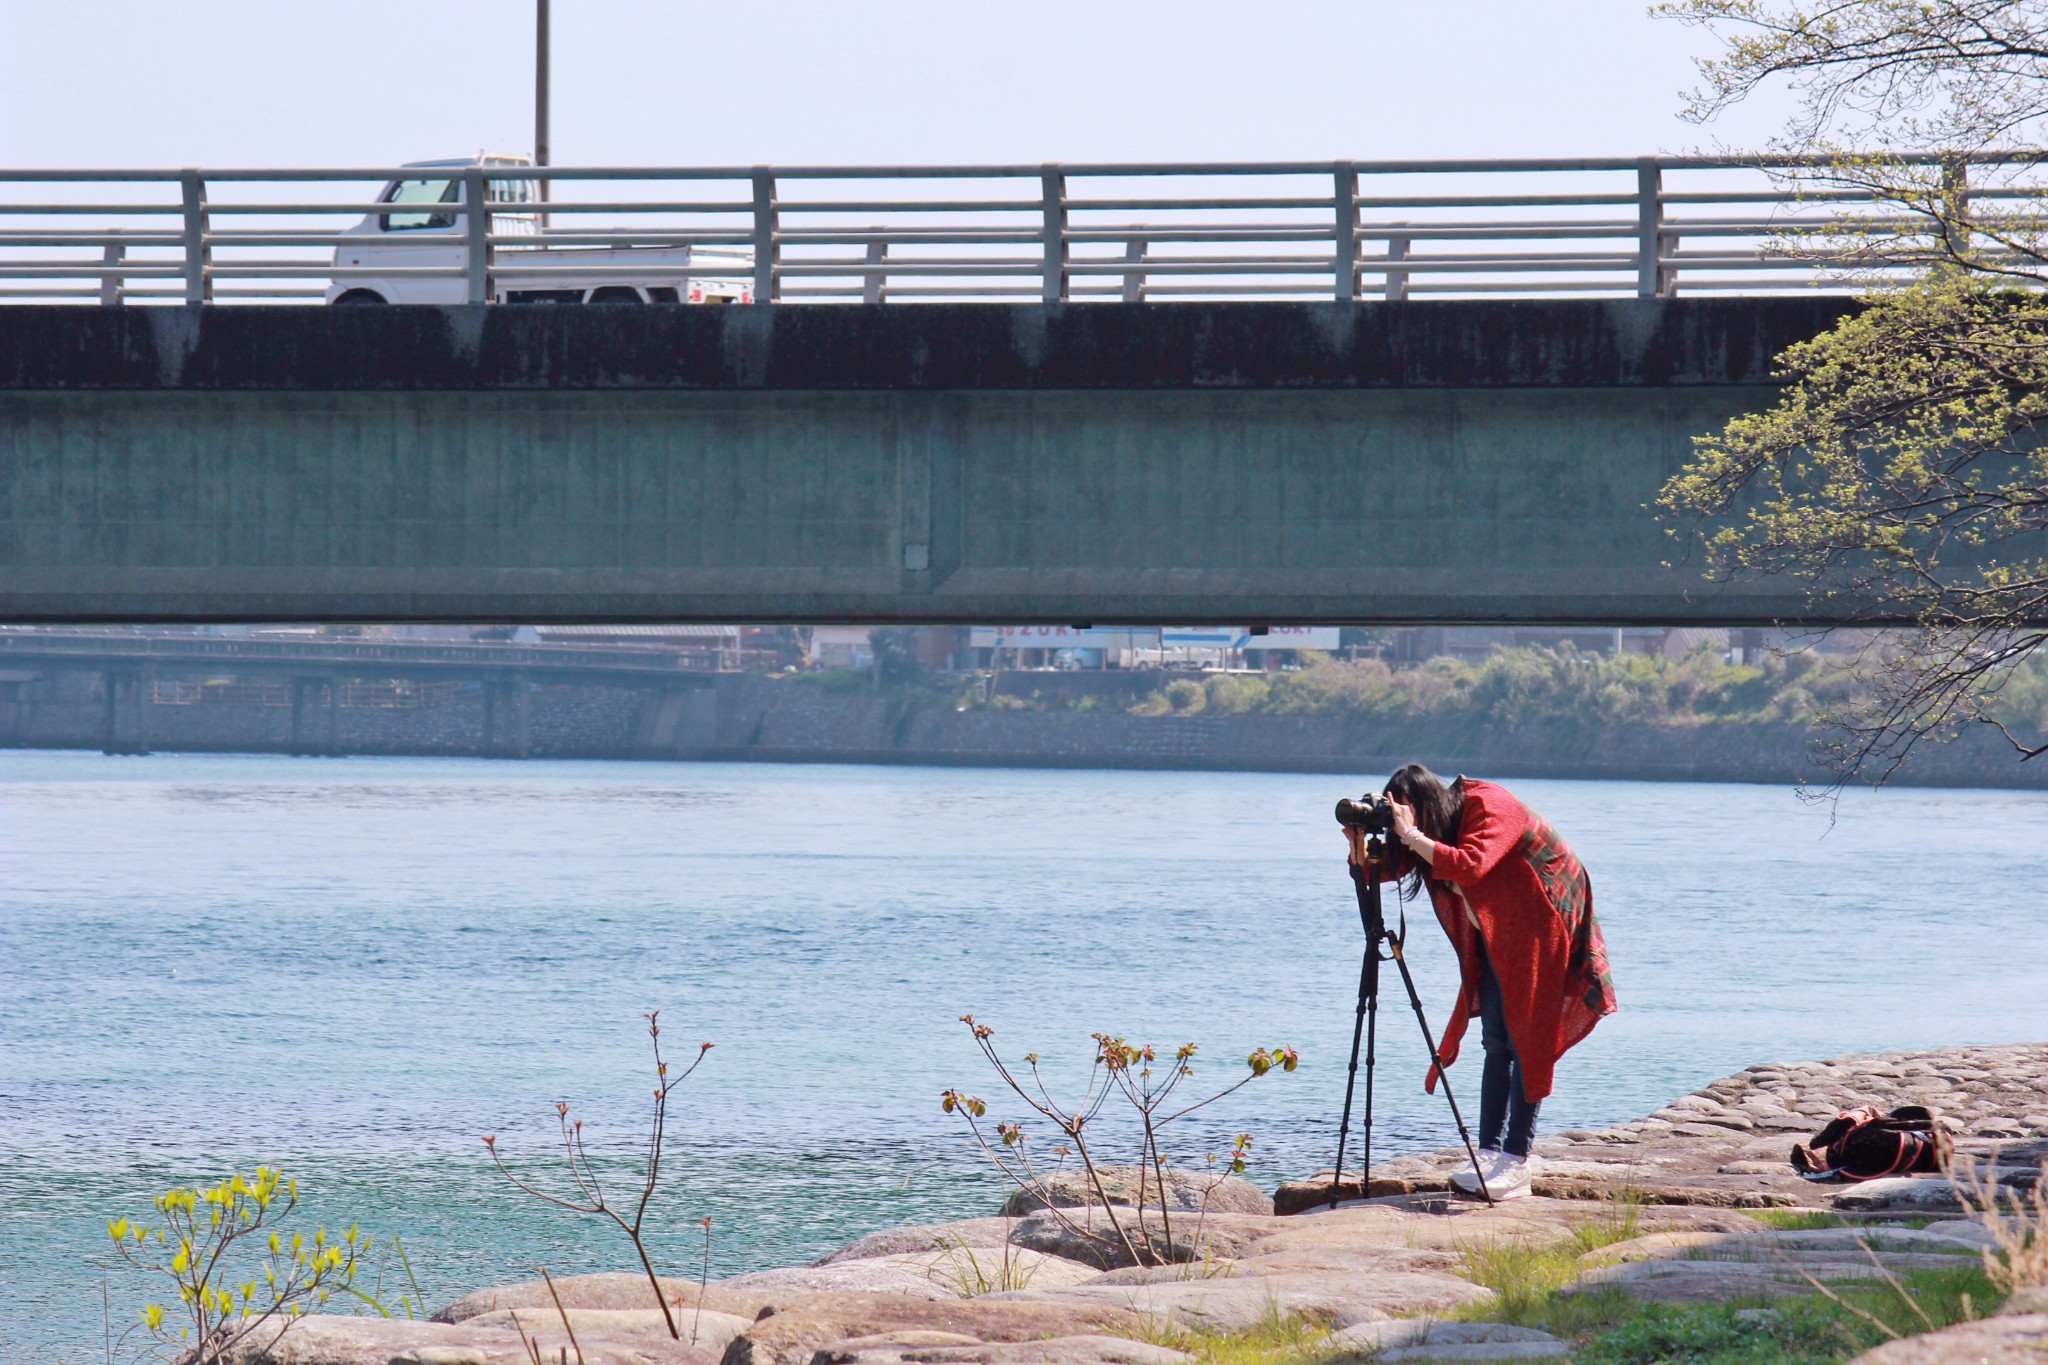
{"type": "Point", "coordinates": [1693, 1204]}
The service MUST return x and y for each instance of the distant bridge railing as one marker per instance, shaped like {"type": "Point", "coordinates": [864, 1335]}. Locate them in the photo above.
{"type": "Point", "coordinates": [1648, 227]}
{"type": "Point", "coordinates": [371, 658]}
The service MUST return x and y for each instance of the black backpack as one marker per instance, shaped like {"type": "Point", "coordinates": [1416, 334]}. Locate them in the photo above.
{"type": "Point", "coordinates": [1862, 1144]}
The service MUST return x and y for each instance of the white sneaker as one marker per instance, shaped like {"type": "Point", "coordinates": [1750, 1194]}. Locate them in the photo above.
{"type": "Point", "coordinates": [1510, 1179]}
{"type": "Point", "coordinates": [1466, 1180]}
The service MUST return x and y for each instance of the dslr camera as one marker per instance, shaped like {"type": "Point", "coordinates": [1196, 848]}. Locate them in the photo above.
{"type": "Point", "coordinates": [1371, 813]}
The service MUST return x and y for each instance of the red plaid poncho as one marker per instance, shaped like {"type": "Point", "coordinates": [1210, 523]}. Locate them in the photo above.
{"type": "Point", "coordinates": [1534, 904]}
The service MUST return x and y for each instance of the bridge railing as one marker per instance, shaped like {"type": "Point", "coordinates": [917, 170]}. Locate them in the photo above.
{"type": "Point", "coordinates": [1648, 226]}
{"type": "Point", "coordinates": [128, 647]}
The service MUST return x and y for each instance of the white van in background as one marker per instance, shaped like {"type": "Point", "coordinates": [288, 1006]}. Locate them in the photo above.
{"type": "Point", "coordinates": [417, 233]}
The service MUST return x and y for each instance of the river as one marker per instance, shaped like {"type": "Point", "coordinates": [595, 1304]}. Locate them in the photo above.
{"type": "Point", "coordinates": [354, 969]}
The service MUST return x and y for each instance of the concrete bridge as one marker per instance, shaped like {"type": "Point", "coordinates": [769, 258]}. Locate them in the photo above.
{"type": "Point", "coordinates": [129, 666]}
{"type": "Point", "coordinates": [1244, 462]}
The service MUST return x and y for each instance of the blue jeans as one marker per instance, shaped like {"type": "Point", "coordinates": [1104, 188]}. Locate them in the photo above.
{"type": "Point", "coordinates": [1501, 1101]}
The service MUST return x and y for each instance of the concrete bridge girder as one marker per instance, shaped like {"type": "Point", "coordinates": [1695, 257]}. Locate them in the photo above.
{"type": "Point", "coordinates": [1498, 473]}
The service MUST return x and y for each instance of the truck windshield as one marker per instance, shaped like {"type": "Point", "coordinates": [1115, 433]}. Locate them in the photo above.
{"type": "Point", "coordinates": [421, 192]}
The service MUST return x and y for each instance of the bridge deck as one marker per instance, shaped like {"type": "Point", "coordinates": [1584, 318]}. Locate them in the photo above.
{"type": "Point", "coordinates": [1243, 463]}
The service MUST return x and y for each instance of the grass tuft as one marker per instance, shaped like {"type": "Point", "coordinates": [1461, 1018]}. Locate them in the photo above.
{"type": "Point", "coordinates": [1281, 1339]}
{"type": "Point", "coordinates": [1806, 1330]}
{"type": "Point", "coordinates": [1797, 1220]}
{"type": "Point", "coordinates": [1525, 1273]}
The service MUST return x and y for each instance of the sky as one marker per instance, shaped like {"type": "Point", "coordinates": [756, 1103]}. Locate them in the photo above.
{"type": "Point", "coordinates": [223, 83]}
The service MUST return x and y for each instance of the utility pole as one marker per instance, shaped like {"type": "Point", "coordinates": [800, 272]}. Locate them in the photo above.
{"type": "Point", "coordinates": [540, 89]}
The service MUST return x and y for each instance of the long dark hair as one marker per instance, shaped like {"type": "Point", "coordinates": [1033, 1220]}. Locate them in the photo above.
{"type": "Point", "coordinates": [1439, 810]}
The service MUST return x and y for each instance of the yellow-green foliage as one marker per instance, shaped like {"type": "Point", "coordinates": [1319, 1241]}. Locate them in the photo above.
{"type": "Point", "coordinates": [2022, 699]}
{"type": "Point", "coordinates": [1514, 687]}
{"type": "Point", "coordinates": [1905, 443]}
{"type": "Point", "coordinates": [1902, 468]}
{"type": "Point", "coordinates": [199, 1247]}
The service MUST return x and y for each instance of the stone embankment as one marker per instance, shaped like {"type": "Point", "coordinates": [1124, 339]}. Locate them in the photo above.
{"type": "Point", "coordinates": [760, 718]}
{"type": "Point", "coordinates": [1677, 1196]}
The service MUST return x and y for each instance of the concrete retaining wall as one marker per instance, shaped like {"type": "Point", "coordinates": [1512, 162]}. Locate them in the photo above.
{"type": "Point", "coordinates": [751, 718]}
{"type": "Point", "coordinates": [762, 719]}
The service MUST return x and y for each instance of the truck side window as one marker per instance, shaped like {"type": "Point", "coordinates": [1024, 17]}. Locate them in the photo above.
{"type": "Point", "coordinates": [421, 192]}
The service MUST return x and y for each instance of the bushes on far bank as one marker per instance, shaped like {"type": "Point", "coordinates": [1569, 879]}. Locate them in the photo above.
{"type": "Point", "coordinates": [1538, 686]}
{"type": "Point", "coordinates": [1513, 687]}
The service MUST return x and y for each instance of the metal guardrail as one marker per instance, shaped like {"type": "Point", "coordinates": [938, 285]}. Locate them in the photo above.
{"type": "Point", "coordinates": [1647, 226]}
{"type": "Point", "coordinates": [144, 649]}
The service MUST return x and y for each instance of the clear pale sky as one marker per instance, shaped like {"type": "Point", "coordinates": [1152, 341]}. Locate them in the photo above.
{"type": "Point", "coordinates": [667, 82]}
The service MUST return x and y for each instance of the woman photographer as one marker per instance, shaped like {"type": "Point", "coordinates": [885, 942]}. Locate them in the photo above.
{"type": "Point", "coordinates": [1518, 908]}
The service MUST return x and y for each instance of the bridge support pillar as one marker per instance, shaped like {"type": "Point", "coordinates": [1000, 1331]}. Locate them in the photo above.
{"type": "Point", "coordinates": [490, 745]}
{"type": "Point", "coordinates": [137, 686]}
{"type": "Point", "coordinates": [522, 729]}
{"type": "Point", "coordinates": [145, 703]}
{"type": "Point", "coordinates": [331, 745]}
{"type": "Point", "coordinates": [110, 683]}
{"type": "Point", "coordinates": [303, 744]}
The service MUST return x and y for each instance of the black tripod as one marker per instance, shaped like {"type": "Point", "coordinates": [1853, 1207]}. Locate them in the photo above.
{"type": "Point", "coordinates": [1383, 945]}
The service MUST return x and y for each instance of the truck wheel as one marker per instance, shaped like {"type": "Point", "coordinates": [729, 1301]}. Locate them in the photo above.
{"type": "Point", "coordinates": [615, 293]}
{"type": "Point", "coordinates": [359, 298]}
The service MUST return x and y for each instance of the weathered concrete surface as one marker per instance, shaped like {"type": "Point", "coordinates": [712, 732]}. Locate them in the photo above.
{"type": "Point", "coordinates": [1476, 344]}
{"type": "Point", "coordinates": [1516, 505]}
{"type": "Point", "coordinates": [1243, 463]}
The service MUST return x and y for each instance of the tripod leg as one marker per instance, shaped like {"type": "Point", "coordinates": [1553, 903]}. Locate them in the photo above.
{"type": "Point", "coordinates": [1429, 1041]}
{"type": "Point", "coordinates": [1366, 1003]}
{"type": "Point", "coordinates": [1372, 1022]}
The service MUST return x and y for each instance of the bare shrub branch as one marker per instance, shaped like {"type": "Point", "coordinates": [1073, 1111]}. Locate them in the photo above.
{"type": "Point", "coordinates": [589, 1197]}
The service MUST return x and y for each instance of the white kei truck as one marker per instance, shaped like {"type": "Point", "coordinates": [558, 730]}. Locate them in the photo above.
{"type": "Point", "coordinates": [415, 234]}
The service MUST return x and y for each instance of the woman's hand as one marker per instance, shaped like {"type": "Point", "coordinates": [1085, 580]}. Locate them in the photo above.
{"type": "Point", "coordinates": [1404, 818]}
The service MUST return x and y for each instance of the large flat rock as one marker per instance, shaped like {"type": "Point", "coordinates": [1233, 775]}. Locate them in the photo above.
{"type": "Point", "coordinates": [1422, 1339]}
{"type": "Point", "coordinates": [1098, 1237]}
{"type": "Point", "coordinates": [2010, 1339]}
{"type": "Point", "coordinates": [1425, 1221]}
{"type": "Point", "coordinates": [1720, 1281]}
{"type": "Point", "coordinates": [1081, 1350]}
{"type": "Point", "coordinates": [955, 1273]}
{"type": "Point", "coordinates": [794, 1334]}
{"type": "Point", "coordinates": [702, 1328]}
{"type": "Point", "coordinates": [965, 1233]}
{"type": "Point", "coordinates": [1241, 1303]}
{"type": "Point", "coordinates": [1185, 1191]}
{"type": "Point", "coordinates": [329, 1339]}
{"type": "Point", "coordinates": [609, 1289]}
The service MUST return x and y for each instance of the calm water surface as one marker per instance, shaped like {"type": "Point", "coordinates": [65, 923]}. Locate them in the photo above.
{"type": "Point", "coordinates": [354, 969]}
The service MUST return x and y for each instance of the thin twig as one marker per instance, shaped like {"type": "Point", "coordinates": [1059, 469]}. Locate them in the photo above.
{"type": "Point", "coordinates": [703, 1283]}
{"type": "Point", "coordinates": [562, 1312]}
